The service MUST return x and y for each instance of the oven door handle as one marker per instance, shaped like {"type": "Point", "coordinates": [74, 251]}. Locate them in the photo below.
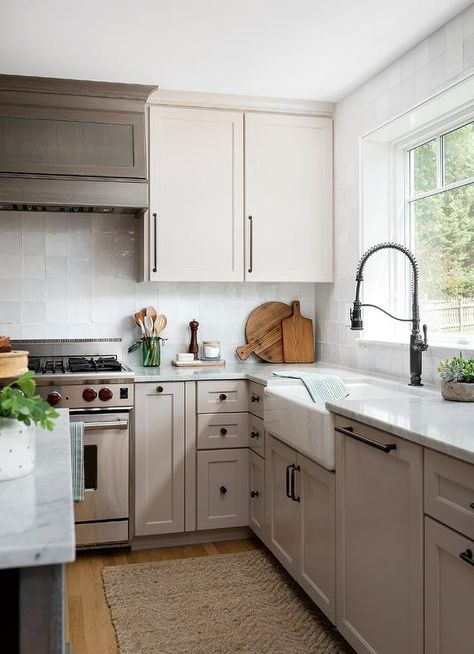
{"type": "Point", "coordinates": [110, 424]}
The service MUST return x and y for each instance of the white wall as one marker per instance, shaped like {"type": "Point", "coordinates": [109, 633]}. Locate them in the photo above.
{"type": "Point", "coordinates": [445, 56]}
{"type": "Point", "coordinates": [74, 276]}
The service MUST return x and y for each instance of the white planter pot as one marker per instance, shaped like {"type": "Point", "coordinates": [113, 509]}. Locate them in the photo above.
{"type": "Point", "coordinates": [17, 448]}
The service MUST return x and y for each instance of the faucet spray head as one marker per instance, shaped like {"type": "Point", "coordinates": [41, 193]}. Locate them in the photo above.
{"type": "Point", "coordinates": [357, 324]}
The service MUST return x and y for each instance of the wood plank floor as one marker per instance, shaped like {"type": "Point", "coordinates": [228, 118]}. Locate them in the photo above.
{"type": "Point", "coordinates": [90, 629]}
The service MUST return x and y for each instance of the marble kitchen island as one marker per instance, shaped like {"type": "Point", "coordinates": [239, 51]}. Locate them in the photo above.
{"type": "Point", "coordinates": [36, 540]}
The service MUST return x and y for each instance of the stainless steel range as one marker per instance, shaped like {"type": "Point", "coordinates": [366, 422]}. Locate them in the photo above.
{"type": "Point", "coordinates": [88, 378]}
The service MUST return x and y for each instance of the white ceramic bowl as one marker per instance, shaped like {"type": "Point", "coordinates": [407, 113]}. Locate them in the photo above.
{"type": "Point", "coordinates": [17, 448]}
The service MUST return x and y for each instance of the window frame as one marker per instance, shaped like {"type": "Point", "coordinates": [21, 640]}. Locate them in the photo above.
{"type": "Point", "coordinates": [401, 219]}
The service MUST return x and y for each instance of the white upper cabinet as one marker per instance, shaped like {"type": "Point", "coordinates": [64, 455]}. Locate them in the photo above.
{"type": "Point", "coordinates": [198, 229]}
{"type": "Point", "coordinates": [196, 195]}
{"type": "Point", "coordinates": [288, 198]}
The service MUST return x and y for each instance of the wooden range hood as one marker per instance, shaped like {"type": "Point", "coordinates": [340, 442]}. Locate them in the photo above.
{"type": "Point", "coordinates": [72, 145]}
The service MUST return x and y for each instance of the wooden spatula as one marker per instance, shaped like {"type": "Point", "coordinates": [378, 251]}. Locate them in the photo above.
{"type": "Point", "coordinates": [298, 337]}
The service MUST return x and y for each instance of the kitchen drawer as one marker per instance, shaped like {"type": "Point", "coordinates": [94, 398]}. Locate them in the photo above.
{"type": "Point", "coordinates": [256, 494]}
{"type": "Point", "coordinates": [222, 488]}
{"type": "Point", "coordinates": [223, 430]}
{"type": "Point", "coordinates": [226, 396]}
{"type": "Point", "coordinates": [255, 392]}
{"type": "Point", "coordinates": [449, 491]}
{"type": "Point", "coordinates": [256, 435]}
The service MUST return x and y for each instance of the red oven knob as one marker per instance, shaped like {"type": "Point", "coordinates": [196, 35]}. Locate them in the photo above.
{"type": "Point", "coordinates": [105, 394]}
{"type": "Point", "coordinates": [89, 394]}
{"type": "Point", "coordinates": [54, 398]}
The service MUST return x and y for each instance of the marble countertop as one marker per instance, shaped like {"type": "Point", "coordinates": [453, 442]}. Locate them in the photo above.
{"type": "Point", "coordinates": [417, 414]}
{"type": "Point", "coordinates": [261, 373]}
{"type": "Point", "coordinates": [36, 511]}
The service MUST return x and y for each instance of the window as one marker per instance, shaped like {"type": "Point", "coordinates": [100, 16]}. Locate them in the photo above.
{"type": "Point", "coordinates": [439, 224]}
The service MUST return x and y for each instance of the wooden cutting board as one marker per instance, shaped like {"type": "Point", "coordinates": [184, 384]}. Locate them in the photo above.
{"type": "Point", "coordinates": [263, 332]}
{"type": "Point", "coordinates": [298, 337]}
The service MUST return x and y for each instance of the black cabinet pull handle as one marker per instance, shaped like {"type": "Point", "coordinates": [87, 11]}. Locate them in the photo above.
{"type": "Point", "coordinates": [254, 494]}
{"type": "Point", "coordinates": [159, 389]}
{"type": "Point", "coordinates": [223, 396]}
{"type": "Point", "coordinates": [467, 556]}
{"type": "Point", "coordinates": [349, 431]}
{"type": "Point", "coordinates": [155, 239]}
{"type": "Point", "coordinates": [255, 398]}
{"type": "Point", "coordinates": [288, 468]}
{"type": "Point", "coordinates": [251, 245]}
{"type": "Point", "coordinates": [294, 469]}
{"type": "Point", "coordinates": [223, 431]}
{"type": "Point", "coordinates": [223, 490]}
{"type": "Point", "coordinates": [254, 434]}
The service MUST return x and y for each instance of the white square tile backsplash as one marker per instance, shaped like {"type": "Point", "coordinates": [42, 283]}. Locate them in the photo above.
{"type": "Point", "coordinates": [81, 283]}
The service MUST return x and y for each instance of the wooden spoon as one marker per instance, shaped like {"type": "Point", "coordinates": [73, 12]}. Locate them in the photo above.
{"type": "Point", "coordinates": [139, 320]}
{"type": "Point", "coordinates": [160, 323]}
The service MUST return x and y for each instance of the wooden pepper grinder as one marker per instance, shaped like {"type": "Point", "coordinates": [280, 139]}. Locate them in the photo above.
{"type": "Point", "coordinates": [193, 345]}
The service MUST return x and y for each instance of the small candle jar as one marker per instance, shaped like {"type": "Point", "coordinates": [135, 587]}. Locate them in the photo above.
{"type": "Point", "coordinates": [211, 351]}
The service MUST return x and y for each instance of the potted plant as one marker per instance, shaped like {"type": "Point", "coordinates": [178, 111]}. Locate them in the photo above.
{"type": "Point", "coordinates": [20, 411]}
{"type": "Point", "coordinates": [457, 379]}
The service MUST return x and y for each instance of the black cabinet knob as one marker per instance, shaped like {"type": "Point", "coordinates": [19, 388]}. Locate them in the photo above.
{"type": "Point", "coordinates": [255, 398]}
{"type": "Point", "coordinates": [223, 396]}
{"type": "Point", "coordinates": [159, 389]}
{"type": "Point", "coordinates": [254, 493]}
{"type": "Point", "coordinates": [223, 431]}
{"type": "Point", "coordinates": [223, 490]}
{"type": "Point", "coordinates": [254, 434]}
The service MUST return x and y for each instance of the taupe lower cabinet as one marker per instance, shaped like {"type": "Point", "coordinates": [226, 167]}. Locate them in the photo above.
{"type": "Point", "coordinates": [257, 494]}
{"type": "Point", "coordinates": [379, 557]}
{"type": "Point", "coordinates": [159, 458]}
{"type": "Point", "coordinates": [449, 590]}
{"type": "Point", "coordinates": [300, 520]}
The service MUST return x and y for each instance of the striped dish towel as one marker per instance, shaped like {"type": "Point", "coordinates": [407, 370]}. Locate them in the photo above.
{"type": "Point", "coordinates": [320, 387]}
{"type": "Point", "coordinates": [76, 430]}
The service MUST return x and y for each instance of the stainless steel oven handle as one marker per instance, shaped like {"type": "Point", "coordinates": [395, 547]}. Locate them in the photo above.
{"type": "Point", "coordinates": [111, 424]}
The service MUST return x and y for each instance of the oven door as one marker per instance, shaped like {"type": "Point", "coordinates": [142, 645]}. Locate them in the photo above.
{"type": "Point", "coordinates": [106, 456]}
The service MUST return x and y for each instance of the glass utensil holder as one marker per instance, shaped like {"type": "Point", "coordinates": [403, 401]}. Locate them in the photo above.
{"type": "Point", "coordinates": [151, 351]}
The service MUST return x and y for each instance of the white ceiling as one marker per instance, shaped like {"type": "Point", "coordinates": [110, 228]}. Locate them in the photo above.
{"type": "Point", "coordinates": [318, 49]}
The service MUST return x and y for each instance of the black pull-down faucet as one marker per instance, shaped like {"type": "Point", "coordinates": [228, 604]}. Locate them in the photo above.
{"type": "Point", "coordinates": [418, 344]}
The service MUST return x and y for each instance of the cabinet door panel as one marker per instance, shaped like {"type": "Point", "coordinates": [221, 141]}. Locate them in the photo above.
{"type": "Point", "coordinates": [222, 488]}
{"type": "Point", "coordinates": [257, 494]}
{"type": "Point", "coordinates": [196, 191]}
{"type": "Point", "coordinates": [159, 459]}
{"type": "Point", "coordinates": [257, 435]}
{"type": "Point", "coordinates": [449, 591]}
{"type": "Point", "coordinates": [281, 513]}
{"type": "Point", "coordinates": [288, 195]}
{"type": "Point", "coordinates": [380, 539]}
{"type": "Point", "coordinates": [317, 489]}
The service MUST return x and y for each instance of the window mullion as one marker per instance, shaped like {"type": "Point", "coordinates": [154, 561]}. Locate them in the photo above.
{"type": "Point", "coordinates": [439, 162]}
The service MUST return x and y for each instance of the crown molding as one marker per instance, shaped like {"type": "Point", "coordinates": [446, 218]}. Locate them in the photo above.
{"type": "Point", "coordinates": [241, 102]}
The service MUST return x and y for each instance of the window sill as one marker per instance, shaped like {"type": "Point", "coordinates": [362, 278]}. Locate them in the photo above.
{"type": "Point", "coordinates": [465, 347]}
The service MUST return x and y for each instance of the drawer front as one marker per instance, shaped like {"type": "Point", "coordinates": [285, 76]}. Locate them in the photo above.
{"type": "Point", "coordinates": [449, 491]}
{"type": "Point", "coordinates": [226, 396]}
{"type": "Point", "coordinates": [256, 399]}
{"type": "Point", "coordinates": [256, 435]}
{"type": "Point", "coordinates": [257, 500]}
{"type": "Point", "coordinates": [223, 430]}
{"type": "Point", "coordinates": [222, 488]}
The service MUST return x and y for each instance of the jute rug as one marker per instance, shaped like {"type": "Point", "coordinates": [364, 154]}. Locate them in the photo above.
{"type": "Point", "coordinates": [218, 604]}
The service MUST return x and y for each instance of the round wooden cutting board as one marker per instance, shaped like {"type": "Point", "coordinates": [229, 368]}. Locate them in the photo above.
{"type": "Point", "coordinates": [263, 332]}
